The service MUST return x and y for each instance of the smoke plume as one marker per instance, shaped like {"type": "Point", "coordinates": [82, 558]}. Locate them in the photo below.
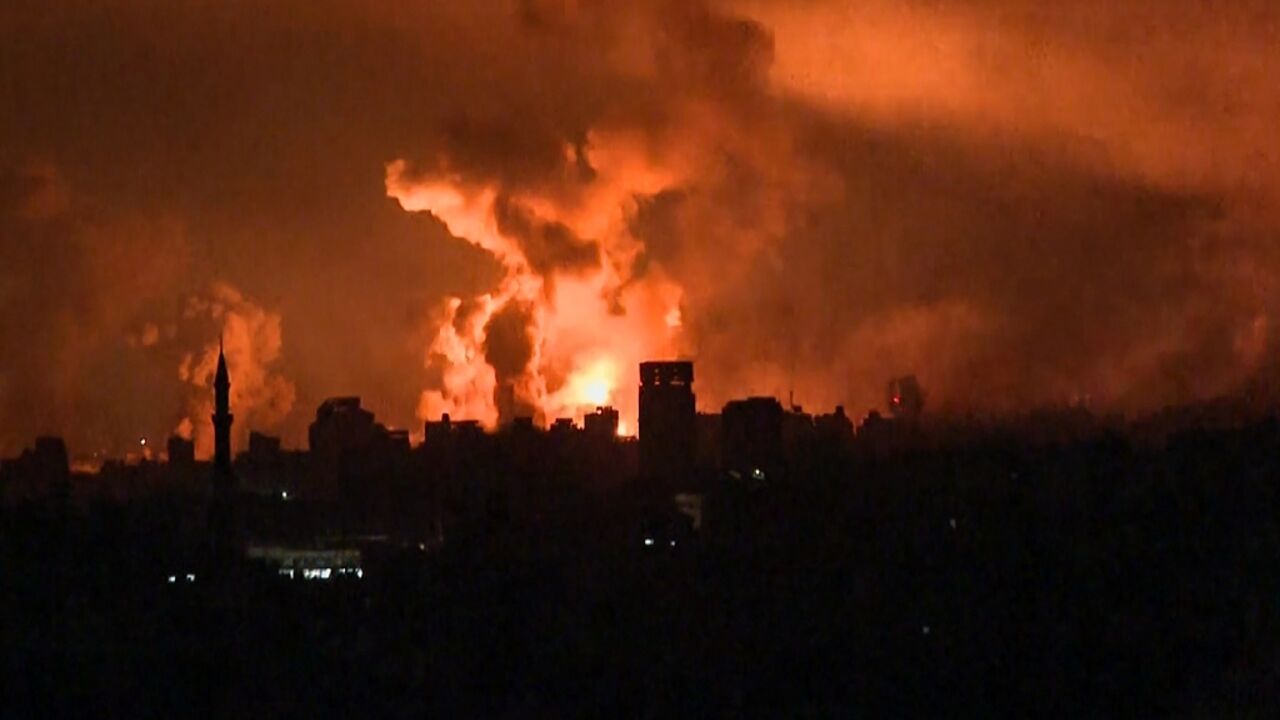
{"type": "Point", "coordinates": [251, 340]}
{"type": "Point", "coordinates": [442, 203]}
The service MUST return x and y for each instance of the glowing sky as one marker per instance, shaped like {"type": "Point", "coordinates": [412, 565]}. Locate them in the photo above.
{"type": "Point", "coordinates": [1020, 202]}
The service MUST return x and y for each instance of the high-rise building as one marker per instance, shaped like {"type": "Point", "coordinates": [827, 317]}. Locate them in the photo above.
{"type": "Point", "coordinates": [182, 452]}
{"type": "Point", "coordinates": [341, 426]}
{"type": "Point", "coordinates": [668, 421]}
{"type": "Point", "coordinates": [752, 437]}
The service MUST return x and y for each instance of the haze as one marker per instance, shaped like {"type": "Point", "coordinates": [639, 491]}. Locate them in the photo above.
{"type": "Point", "coordinates": [1021, 203]}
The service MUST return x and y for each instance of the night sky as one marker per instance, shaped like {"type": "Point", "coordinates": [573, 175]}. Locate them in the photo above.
{"type": "Point", "coordinates": [1020, 202]}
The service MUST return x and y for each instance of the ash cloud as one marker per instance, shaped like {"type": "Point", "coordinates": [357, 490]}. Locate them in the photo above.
{"type": "Point", "coordinates": [75, 278]}
{"type": "Point", "coordinates": [508, 344]}
{"type": "Point", "coordinates": [550, 247]}
{"type": "Point", "coordinates": [1020, 203]}
{"type": "Point", "coordinates": [252, 340]}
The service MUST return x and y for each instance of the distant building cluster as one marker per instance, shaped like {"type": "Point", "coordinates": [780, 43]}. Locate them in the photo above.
{"type": "Point", "coordinates": [305, 513]}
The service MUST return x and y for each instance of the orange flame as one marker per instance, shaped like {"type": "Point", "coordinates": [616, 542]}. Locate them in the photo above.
{"type": "Point", "coordinates": [589, 328]}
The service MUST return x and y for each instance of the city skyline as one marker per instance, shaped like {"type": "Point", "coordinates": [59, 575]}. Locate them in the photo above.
{"type": "Point", "coordinates": [639, 358]}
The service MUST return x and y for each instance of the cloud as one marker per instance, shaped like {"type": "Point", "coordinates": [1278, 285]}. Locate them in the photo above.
{"type": "Point", "coordinates": [252, 340]}
{"type": "Point", "coordinates": [75, 277]}
{"type": "Point", "coordinates": [1020, 203]}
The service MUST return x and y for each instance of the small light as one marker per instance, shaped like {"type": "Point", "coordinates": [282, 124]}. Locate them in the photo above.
{"type": "Point", "coordinates": [142, 442]}
{"type": "Point", "coordinates": [173, 578]}
{"type": "Point", "coordinates": [648, 541]}
{"type": "Point", "coordinates": [673, 543]}
{"type": "Point", "coordinates": [359, 573]}
{"type": "Point", "coordinates": [422, 546]}
{"type": "Point", "coordinates": [953, 523]}
{"type": "Point", "coordinates": [925, 629]}
{"type": "Point", "coordinates": [191, 578]}
{"type": "Point", "coordinates": [284, 494]}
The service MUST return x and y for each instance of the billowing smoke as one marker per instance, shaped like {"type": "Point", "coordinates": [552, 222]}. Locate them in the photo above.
{"type": "Point", "coordinates": [567, 315]}
{"type": "Point", "coordinates": [1018, 202]}
{"type": "Point", "coordinates": [74, 277]}
{"type": "Point", "coordinates": [822, 250]}
{"type": "Point", "coordinates": [250, 337]}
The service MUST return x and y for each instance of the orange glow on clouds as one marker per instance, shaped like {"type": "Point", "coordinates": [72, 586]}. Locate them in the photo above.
{"type": "Point", "coordinates": [593, 385]}
{"type": "Point", "coordinates": [588, 327]}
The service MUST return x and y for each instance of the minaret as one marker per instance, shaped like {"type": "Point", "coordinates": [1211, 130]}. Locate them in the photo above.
{"type": "Point", "coordinates": [222, 526]}
{"type": "Point", "coordinates": [222, 417]}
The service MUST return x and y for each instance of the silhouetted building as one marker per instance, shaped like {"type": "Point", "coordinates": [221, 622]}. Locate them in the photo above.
{"type": "Point", "coordinates": [182, 473]}
{"type": "Point", "coordinates": [264, 447]}
{"type": "Point", "coordinates": [41, 474]}
{"type": "Point", "coordinates": [341, 425]}
{"type": "Point", "coordinates": [397, 442]}
{"type": "Point", "coordinates": [182, 453]}
{"type": "Point", "coordinates": [751, 439]}
{"type": "Point", "coordinates": [876, 435]}
{"type": "Point", "coordinates": [356, 460]}
{"type": "Point", "coordinates": [834, 429]}
{"type": "Point", "coordinates": [906, 399]}
{"type": "Point", "coordinates": [798, 435]}
{"type": "Point", "coordinates": [668, 421]}
{"type": "Point", "coordinates": [435, 431]}
{"type": "Point", "coordinates": [601, 424]}
{"type": "Point", "coordinates": [266, 469]}
{"type": "Point", "coordinates": [707, 455]}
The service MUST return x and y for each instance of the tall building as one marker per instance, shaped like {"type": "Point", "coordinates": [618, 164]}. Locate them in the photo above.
{"type": "Point", "coordinates": [42, 475]}
{"type": "Point", "coordinates": [341, 426]}
{"type": "Point", "coordinates": [668, 421]}
{"type": "Point", "coordinates": [355, 461]}
{"type": "Point", "coordinates": [752, 437]}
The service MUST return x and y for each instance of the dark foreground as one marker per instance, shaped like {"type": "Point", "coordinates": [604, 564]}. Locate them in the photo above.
{"type": "Point", "coordinates": [992, 580]}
